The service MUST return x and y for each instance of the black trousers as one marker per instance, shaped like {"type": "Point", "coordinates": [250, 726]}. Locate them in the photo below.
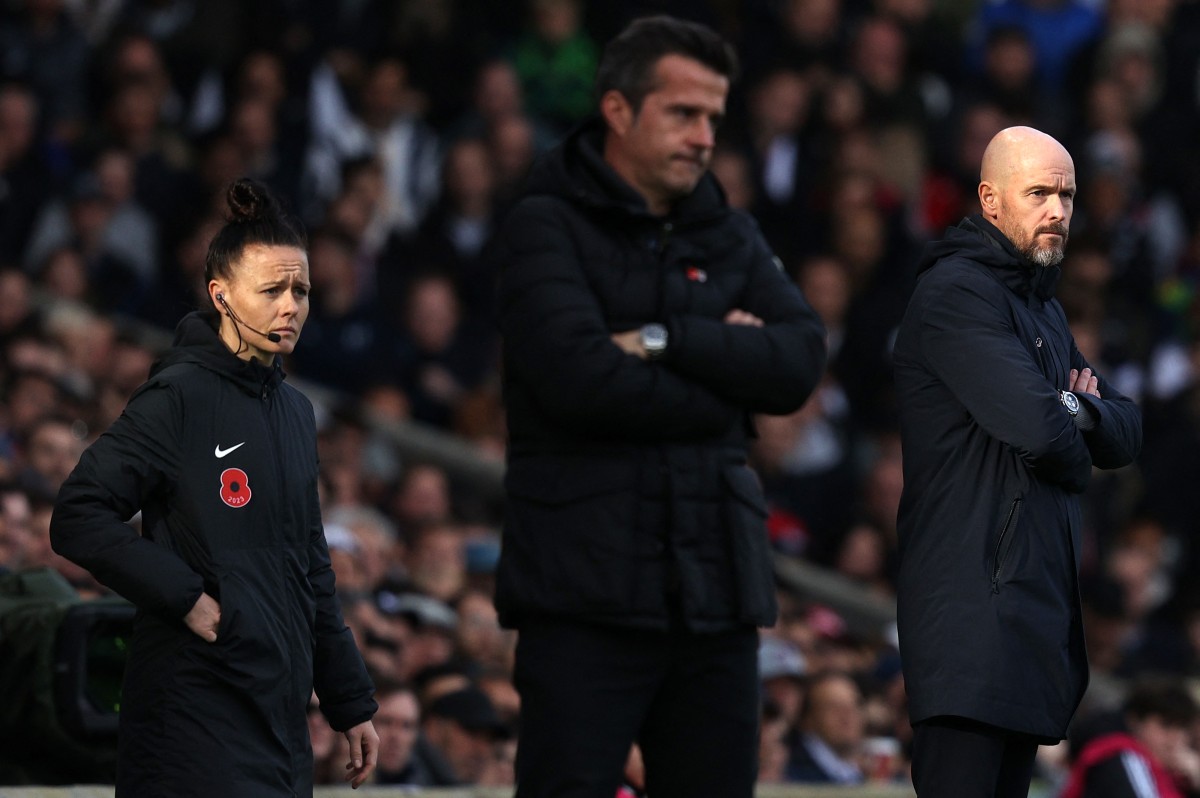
{"type": "Point", "coordinates": [588, 692]}
{"type": "Point", "coordinates": [961, 758]}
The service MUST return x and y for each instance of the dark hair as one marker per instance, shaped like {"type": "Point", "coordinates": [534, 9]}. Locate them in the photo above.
{"type": "Point", "coordinates": [628, 62]}
{"type": "Point", "coordinates": [814, 681]}
{"type": "Point", "coordinates": [255, 217]}
{"type": "Point", "coordinates": [1162, 697]}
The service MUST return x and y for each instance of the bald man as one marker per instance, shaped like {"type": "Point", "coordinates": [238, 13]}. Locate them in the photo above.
{"type": "Point", "coordinates": [1002, 420]}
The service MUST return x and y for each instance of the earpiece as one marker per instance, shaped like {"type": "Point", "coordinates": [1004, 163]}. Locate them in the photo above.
{"type": "Point", "coordinates": [270, 336]}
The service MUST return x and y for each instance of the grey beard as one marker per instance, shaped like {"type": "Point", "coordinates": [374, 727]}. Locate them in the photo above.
{"type": "Point", "coordinates": [1051, 256]}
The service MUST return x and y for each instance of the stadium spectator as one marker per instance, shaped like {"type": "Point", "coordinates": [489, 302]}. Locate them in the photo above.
{"type": "Point", "coordinates": [24, 169]}
{"type": "Point", "coordinates": [463, 728]}
{"type": "Point", "coordinates": [831, 724]}
{"type": "Point", "coordinates": [1145, 749]}
{"type": "Point", "coordinates": [555, 59]}
{"type": "Point", "coordinates": [401, 759]}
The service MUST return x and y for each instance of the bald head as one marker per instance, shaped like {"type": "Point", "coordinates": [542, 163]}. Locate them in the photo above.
{"type": "Point", "coordinates": [1027, 190]}
{"type": "Point", "coordinates": [1017, 149]}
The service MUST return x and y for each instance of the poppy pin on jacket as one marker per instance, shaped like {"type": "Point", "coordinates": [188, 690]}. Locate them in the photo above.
{"type": "Point", "coordinates": [235, 487]}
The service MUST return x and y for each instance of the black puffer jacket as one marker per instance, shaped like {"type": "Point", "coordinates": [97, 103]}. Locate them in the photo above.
{"type": "Point", "coordinates": [628, 489]}
{"type": "Point", "coordinates": [989, 521]}
{"type": "Point", "coordinates": [220, 456]}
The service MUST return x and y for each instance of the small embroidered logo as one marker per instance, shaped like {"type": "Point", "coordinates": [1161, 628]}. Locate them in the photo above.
{"type": "Point", "coordinates": [1038, 343]}
{"type": "Point", "coordinates": [219, 452]}
{"type": "Point", "coordinates": [696, 274]}
{"type": "Point", "coordinates": [235, 487]}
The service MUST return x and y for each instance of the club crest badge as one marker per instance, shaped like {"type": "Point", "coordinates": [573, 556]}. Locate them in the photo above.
{"type": "Point", "coordinates": [235, 487]}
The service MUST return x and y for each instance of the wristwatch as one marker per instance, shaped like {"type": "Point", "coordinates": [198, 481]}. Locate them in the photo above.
{"type": "Point", "coordinates": [654, 340]}
{"type": "Point", "coordinates": [1070, 401]}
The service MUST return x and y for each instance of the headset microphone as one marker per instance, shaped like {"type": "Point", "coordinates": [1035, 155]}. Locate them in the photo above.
{"type": "Point", "coordinates": [272, 337]}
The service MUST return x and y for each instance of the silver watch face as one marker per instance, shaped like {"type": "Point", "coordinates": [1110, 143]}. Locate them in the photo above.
{"type": "Point", "coordinates": [1071, 401]}
{"type": "Point", "coordinates": [654, 338]}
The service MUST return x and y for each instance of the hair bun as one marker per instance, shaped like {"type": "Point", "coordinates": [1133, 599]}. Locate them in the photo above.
{"type": "Point", "coordinates": [249, 201]}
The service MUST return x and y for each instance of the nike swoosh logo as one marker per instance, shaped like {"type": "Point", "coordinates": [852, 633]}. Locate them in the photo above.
{"type": "Point", "coordinates": [219, 452]}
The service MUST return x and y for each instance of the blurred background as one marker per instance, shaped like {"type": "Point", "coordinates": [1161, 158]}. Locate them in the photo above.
{"type": "Point", "coordinates": [399, 132]}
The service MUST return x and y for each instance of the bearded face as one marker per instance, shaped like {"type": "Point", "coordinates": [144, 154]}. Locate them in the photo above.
{"type": "Point", "coordinates": [1044, 246]}
{"type": "Point", "coordinates": [1028, 191]}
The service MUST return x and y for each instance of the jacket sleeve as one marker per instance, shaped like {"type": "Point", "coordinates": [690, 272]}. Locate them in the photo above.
{"type": "Point", "coordinates": [973, 348]}
{"type": "Point", "coordinates": [768, 369]}
{"type": "Point", "coordinates": [137, 457]}
{"type": "Point", "coordinates": [1117, 437]}
{"type": "Point", "coordinates": [339, 675]}
{"type": "Point", "coordinates": [557, 343]}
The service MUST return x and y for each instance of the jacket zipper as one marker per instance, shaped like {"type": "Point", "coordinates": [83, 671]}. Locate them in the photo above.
{"type": "Point", "coordinates": [667, 229]}
{"type": "Point", "coordinates": [1012, 512]}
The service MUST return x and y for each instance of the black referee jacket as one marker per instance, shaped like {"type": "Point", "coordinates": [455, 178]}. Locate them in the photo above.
{"type": "Point", "coordinates": [220, 457]}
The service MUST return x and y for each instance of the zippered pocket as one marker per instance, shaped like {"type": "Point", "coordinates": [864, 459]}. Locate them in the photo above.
{"type": "Point", "coordinates": [1010, 523]}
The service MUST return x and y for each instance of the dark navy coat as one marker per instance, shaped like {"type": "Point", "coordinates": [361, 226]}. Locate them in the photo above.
{"type": "Point", "coordinates": [989, 521]}
{"type": "Point", "coordinates": [220, 457]}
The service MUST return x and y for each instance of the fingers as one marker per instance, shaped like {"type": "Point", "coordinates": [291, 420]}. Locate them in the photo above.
{"type": "Point", "coordinates": [364, 752]}
{"type": "Point", "coordinates": [1085, 382]}
{"type": "Point", "coordinates": [738, 316]}
{"type": "Point", "coordinates": [630, 342]}
{"type": "Point", "coordinates": [357, 773]}
{"type": "Point", "coordinates": [356, 756]}
{"type": "Point", "coordinates": [204, 618]}
{"type": "Point", "coordinates": [371, 751]}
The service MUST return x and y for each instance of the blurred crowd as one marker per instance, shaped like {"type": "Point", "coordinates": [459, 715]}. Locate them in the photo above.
{"type": "Point", "coordinates": [399, 131]}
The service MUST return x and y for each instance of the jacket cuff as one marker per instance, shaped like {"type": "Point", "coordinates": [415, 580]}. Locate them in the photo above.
{"type": "Point", "coordinates": [341, 721]}
{"type": "Point", "coordinates": [1088, 417]}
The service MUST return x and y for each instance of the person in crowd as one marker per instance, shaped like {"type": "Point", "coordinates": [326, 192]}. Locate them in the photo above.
{"type": "Point", "coordinates": [443, 354]}
{"type": "Point", "coordinates": [643, 320]}
{"type": "Point", "coordinates": [436, 560]}
{"type": "Point", "coordinates": [555, 58]}
{"type": "Point", "coordinates": [1142, 750]}
{"type": "Point", "coordinates": [345, 344]}
{"type": "Point", "coordinates": [238, 619]}
{"type": "Point", "coordinates": [455, 233]}
{"type": "Point", "coordinates": [127, 233]}
{"type": "Point", "coordinates": [462, 727]}
{"type": "Point", "coordinates": [782, 671]}
{"type": "Point", "coordinates": [1002, 421]}
{"type": "Point", "coordinates": [18, 544]}
{"type": "Point", "coordinates": [42, 45]}
{"type": "Point", "coordinates": [50, 452]}
{"type": "Point", "coordinates": [831, 732]}
{"type": "Point", "coordinates": [401, 759]}
{"type": "Point", "coordinates": [24, 169]}
{"type": "Point", "coordinates": [384, 125]}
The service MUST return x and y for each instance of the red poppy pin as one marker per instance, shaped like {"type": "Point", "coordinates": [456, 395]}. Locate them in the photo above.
{"type": "Point", "coordinates": [235, 487]}
{"type": "Point", "coordinates": [696, 274]}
